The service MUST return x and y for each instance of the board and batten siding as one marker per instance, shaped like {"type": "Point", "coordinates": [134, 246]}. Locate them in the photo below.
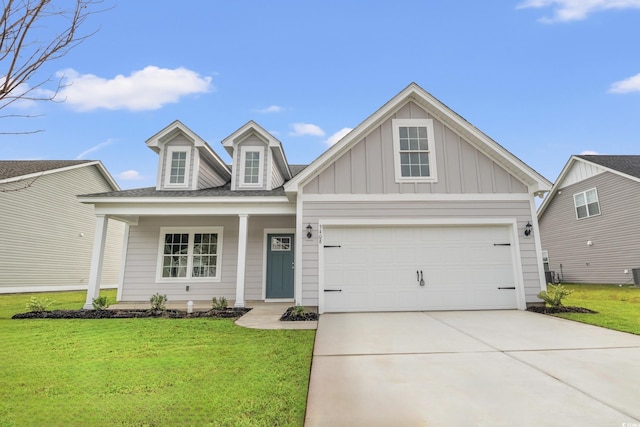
{"type": "Point", "coordinates": [615, 246]}
{"type": "Point", "coordinates": [46, 234]}
{"type": "Point", "coordinates": [520, 210]}
{"type": "Point", "coordinates": [142, 258]}
{"type": "Point", "coordinates": [368, 167]}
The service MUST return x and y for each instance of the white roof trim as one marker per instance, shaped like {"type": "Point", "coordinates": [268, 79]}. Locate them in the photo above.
{"type": "Point", "coordinates": [107, 176]}
{"type": "Point", "coordinates": [413, 92]}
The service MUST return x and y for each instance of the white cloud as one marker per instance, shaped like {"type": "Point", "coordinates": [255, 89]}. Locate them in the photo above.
{"type": "Point", "coordinates": [589, 153]}
{"type": "Point", "coordinates": [338, 136]}
{"type": "Point", "coordinates": [94, 148]}
{"type": "Point", "coordinates": [26, 97]}
{"type": "Point", "coordinates": [146, 89]}
{"type": "Point", "coordinates": [632, 84]}
{"type": "Point", "coordinates": [300, 129]}
{"type": "Point", "coordinates": [130, 175]}
{"type": "Point", "coordinates": [576, 10]}
{"type": "Point", "coordinates": [271, 109]}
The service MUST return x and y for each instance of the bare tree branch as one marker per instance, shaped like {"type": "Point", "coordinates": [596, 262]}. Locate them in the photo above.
{"type": "Point", "coordinates": [35, 32]}
{"type": "Point", "coordinates": [22, 184]}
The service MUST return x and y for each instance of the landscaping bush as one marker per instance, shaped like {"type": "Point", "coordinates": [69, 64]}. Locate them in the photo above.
{"type": "Point", "coordinates": [554, 295]}
{"type": "Point", "coordinates": [219, 303]}
{"type": "Point", "coordinates": [100, 303]}
{"type": "Point", "coordinates": [158, 302]}
{"type": "Point", "coordinates": [38, 305]}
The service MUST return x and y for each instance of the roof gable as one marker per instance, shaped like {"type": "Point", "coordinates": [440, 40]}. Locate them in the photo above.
{"type": "Point", "coordinates": [414, 93]}
{"type": "Point", "coordinates": [16, 170]}
{"type": "Point", "coordinates": [275, 146]}
{"type": "Point", "coordinates": [582, 167]}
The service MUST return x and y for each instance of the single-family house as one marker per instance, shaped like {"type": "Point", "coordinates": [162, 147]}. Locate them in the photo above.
{"type": "Point", "coordinates": [589, 219]}
{"type": "Point", "coordinates": [46, 234]}
{"type": "Point", "coordinates": [414, 209]}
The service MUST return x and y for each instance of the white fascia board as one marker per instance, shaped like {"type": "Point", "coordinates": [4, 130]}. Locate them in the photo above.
{"type": "Point", "coordinates": [425, 197]}
{"type": "Point", "coordinates": [346, 222]}
{"type": "Point", "coordinates": [563, 173]}
{"type": "Point", "coordinates": [191, 210]}
{"type": "Point", "coordinates": [216, 201]}
{"type": "Point", "coordinates": [97, 163]}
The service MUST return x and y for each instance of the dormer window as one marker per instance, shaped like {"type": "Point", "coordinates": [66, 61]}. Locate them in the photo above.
{"type": "Point", "coordinates": [414, 150]}
{"type": "Point", "coordinates": [177, 167]}
{"type": "Point", "coordinates": [252, 167]}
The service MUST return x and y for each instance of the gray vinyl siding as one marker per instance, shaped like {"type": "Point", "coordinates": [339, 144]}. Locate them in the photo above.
{"type": "Point", "coordinates": [46, 235]}
{"type": "Point", "coordinates": [142, 259]}
{"type": "Point", "coordinates": [613, 232]}
{"type": "Point", "coordinates": [178, 141]}
{"type": "Point", "coordinates": [368, 167]}
{"type": "Point", "coordinates": [519, 210]}
{"type": "Point", "coordinates": [276, 176]}
{"type": "Point", "coordinates": [207, 178]}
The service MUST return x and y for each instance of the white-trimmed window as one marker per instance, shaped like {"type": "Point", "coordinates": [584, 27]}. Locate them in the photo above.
{"type": "Point", "coordinates": [177, 167]}
{"type": "Point", "coordinates": [414, 150]}
{"type": "Point", "coordinates": [189, 253]}
{"type": "Point", "coordinates": [586, 203]}
{"type": "Point", "coordinates": [252, 166]}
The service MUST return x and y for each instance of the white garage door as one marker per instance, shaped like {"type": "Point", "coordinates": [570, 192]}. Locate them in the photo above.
{"type": "Point", "coordinates": [418, 268]}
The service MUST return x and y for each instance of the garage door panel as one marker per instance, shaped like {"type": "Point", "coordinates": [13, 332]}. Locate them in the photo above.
{"type": "Point", "coordinates": [375, 268]}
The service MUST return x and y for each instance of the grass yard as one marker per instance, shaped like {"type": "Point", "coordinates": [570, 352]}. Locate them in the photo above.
{"type": "Point", "coordinates": [147, 372]}
{"type": "Point", "coordinates": [618, 307]}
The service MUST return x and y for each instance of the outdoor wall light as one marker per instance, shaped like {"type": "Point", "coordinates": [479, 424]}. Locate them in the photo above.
{"type": "Point", "coordinates": [309, 228]}
{"type": "Point", "coordinates": [527, 229]}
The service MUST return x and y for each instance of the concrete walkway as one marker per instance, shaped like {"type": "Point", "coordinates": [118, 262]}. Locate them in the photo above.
{"type": "Point", "coordinates": [475, 368]}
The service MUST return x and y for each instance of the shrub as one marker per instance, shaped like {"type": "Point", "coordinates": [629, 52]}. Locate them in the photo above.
{"type": "Point", "coordinates": [38, 305]}
{"type": "Point", "coordinates": [219, 304]}
{"type": "Point", "coordinates": [554, 295]}
{"type": "Point", "coordinates": [100, 303]}
{"type": "Point", "coordinates": [158, 302]}
{"type": "Point", "coordinates": [298, 310]}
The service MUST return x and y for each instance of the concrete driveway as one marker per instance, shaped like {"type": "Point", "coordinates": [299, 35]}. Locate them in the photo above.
{"type": "Point", "coordinates": [473, 368]}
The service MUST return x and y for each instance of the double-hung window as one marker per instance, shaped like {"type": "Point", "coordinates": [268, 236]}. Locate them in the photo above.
{"type": "Point", "coordinates": [177, 167]}
{"type": "Point", "coordinates": [189, 253]}
{"type": "Point", "coordinates": [252, 166]}
{"type": "Point", "coordinates": [586, 203]}
{"type": "Point", "coordinates": [414, 150]}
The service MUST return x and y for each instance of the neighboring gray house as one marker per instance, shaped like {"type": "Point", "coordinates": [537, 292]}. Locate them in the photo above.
{"type": "Point", "coordinates": [46, 235]}
{"type": "Point", "coordinates": [414, 209]}
{"type": "Point", "coordinates": [590, 220]}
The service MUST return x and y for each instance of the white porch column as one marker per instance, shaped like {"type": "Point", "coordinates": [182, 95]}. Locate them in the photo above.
{"type": "Point", "coordinates": [97, 256]}
{"type": "Point", "coordinates": [242, 259]}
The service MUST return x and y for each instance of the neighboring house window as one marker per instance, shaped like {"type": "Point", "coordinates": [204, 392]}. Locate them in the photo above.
{"type": "Point", "coordinates": [586, 203]}
{"type": "Point", "coordinates": [414, 150]}
{"type": "Point", "coordinates": [190, 253]}
{"type": "Point", "coordinates": [545, 260]}
{"type": "Point", "coordinates": [177, 166]}
{"type": "Point", "coordinates": [252, 162]}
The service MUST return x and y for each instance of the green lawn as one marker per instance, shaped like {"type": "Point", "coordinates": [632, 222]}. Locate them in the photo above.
{"type": "Point", "coordinates": [618, 307]}
{"type": "Point", "coordinates": [148, 372]}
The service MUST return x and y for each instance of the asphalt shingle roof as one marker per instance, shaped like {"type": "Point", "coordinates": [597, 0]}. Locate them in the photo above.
{"type": "Point", "coordinates": [222, 191]}
{"type": "Point", "coordinates": [15, 168]}
{"type": "Point", "coordinates": [627, 164]}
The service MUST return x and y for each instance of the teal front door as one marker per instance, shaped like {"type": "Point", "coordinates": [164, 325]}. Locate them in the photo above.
{"type": "Point", "coordinates": [279, 266]}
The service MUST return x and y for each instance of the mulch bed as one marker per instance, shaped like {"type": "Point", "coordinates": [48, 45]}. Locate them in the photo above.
{"type": "Point", "coordinates": [129, 314]}
{"type": "Point", "coordinates": [291, 316]}
{"type": "Point", "coordinates": [561, 309]}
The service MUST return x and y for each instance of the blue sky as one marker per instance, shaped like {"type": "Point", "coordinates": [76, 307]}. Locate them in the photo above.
{"type": "Point", "coordinates": [544, 78]}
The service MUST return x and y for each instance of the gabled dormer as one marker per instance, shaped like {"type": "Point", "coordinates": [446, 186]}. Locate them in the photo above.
{"type": "Point", "coordinates": [186, 161]}
{"type": "Point", "coordinates": [259, 162]}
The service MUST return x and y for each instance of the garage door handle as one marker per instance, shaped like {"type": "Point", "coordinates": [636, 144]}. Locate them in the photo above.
{"type": "Point", "coordinates": [333, 290]}
{"type": "Point", "coordinates": [507, 287]}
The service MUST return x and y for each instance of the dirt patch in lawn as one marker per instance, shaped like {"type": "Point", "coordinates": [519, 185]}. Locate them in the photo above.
{"type": "Point", "coordinates": [293, 315]}
{"type": "Point", "coordinates": [129, 314]}
{"type": "Point", "coordinates": [561, 309]}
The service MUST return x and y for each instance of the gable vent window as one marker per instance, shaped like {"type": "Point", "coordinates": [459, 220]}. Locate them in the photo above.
{"type": "Point", "coordinates": [252, 167]}
{"type": "Point", "coordinates": [586, 204]}
{"type": "Point", "coordinates": [178, 167]}
{"type": "Point", "coordinates": [414, 154]}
